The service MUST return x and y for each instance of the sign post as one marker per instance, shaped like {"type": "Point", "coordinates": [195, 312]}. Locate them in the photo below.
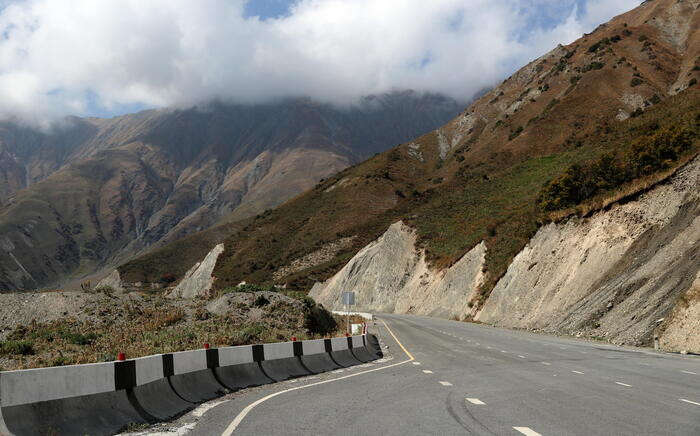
{"type": "Point", "coordinates": [348, 300]}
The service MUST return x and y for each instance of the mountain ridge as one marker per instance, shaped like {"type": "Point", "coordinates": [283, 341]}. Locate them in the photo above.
{"type": "Point", "coordinates": [117, 186]}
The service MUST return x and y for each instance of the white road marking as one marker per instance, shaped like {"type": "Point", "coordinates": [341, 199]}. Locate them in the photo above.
{"type": "Point", "coordinates": [241, 416]}
{"type": "Point", "coordinates": [546, 363]}
{"type": "Point", "coordinates": [478, 343]}
{"type": "Point", "coordinates": [623, 384]}
{"type": "Point", "coordinates": [427, 371]}
{"type": "Point", "coordinates": [688, 401]}
{"type": "Point", "coordinates": [445, 383]}
{"type": "Point", "coordinates": [476, 401]}
{"type": "Point", "coordinates": [577, 372]}
{"type": "Point", "coordinates": [503, 351]}
{"type": "Point", "coordinates": [527, 431]}
{"type": "Point", "coordinates": [584, 352]}
{"type": "Point", "coordinates": [487, 347]}
{"type": "Point", "coordinates": [416, 363]}
{"type": "Point", "coordinates": [337, 371]}
{"type": "Point", "coordinates": [690, 372]}
{"type": "Point", "coordinates": [521, 356]}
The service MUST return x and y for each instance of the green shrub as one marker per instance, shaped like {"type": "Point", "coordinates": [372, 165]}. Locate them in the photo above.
{"type": "Point", "coordinates": [515, 133]}
{"type": "Point", "coordinates": [598, 45]}
{"type": "Point", "coordinates": [261, 301]}
{"type": "Point", "coordinates": [317, 320]}
{"type": "Point", "coordinates": [22, 348]}
{"type": "Point", "coordinates": [647, 155]}
{"type": "Point", "coordinates": [636, 81]}
{"type": "Point", "coordinates": [80, 339]}
{"type": "Point", "coordinates": [593, 66]}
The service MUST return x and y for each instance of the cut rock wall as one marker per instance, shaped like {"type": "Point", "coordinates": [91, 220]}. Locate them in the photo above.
{"type": "Point", "coordinates": [390, 275]}
{"type": "Point", "coordinates": [616, 275]}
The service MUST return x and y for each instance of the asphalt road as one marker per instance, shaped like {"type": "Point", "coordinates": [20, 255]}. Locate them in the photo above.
{"type": "Point", "coordinates": [460, 378]}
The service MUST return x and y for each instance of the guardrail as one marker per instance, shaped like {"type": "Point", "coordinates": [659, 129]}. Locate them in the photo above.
{"type": "Point", "coordinates": [104, 398]}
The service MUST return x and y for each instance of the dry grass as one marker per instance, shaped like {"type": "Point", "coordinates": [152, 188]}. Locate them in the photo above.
{"type": "Point", "coordinates": [150, 326]}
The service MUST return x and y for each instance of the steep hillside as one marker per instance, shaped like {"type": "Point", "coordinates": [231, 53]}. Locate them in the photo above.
{"type": "Point", "coordinates": [93, 191]}
{"type": "Point", "coordinates": [616, 274]}
{"type": "Point", "coordinates": [478, 177]}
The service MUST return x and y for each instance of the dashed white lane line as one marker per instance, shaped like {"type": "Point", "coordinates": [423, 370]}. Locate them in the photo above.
{"type": "Point", "coordinates": [623, 384]}
{"type": "Point", "coordinates": [503, 351]}
{"type": "Point", "coordinates": [416, 363]}
{"type": "Point", "coordinates": [690, 372]}
{"type": "Point", "coordinates": [546, 363]}
{"type": "Point", "coordinates": [577, 372]}
{"type": "Point", "coordinates": [521, 356]}
{"type": "Point", "coordinates": [527, 431]}
{"type": "Point", "coordinates": [486, 346]}
{"type": "Point", "coordinates": [445, 383]}
{"type": "Point", "coordinates": [688, 401]}
{"type": "Point", "coordinates": [478, 343]}
{"type": "Point", "coordinates": [476, 401]}
{"type": "Point", "coordinates": [427, 371]}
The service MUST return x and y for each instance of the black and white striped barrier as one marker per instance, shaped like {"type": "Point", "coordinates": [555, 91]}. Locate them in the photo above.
{"type": "Point", "coordinates": [104, 398]}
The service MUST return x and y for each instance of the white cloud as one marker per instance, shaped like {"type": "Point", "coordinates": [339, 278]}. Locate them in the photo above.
{"type": "Point", "coordinates": [67, 56]}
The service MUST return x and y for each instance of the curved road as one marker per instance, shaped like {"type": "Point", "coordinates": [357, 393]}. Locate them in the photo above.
{"type": "Point", "coordinates": [461, 378]}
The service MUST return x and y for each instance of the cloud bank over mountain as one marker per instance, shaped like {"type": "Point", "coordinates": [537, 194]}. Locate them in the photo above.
{"type": "Point", "coordinates": [89, 57]}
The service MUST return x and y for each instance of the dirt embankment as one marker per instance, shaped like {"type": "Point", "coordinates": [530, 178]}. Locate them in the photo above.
{"type": "Point", "coordinates": [59, 328]}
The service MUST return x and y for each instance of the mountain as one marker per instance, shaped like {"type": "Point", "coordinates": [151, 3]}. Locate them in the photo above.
{"type": "Point", "coordinates": [90, 192]}
{"type": "Point", "coordinates": [576, 132]}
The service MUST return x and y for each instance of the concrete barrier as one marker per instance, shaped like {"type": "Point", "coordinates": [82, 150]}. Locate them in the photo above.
{"type": "Point", "coordinates": [153, 390]}
{"type": "Point", "coordinates": [63, 400]}
{"type": "Point", "coordinates": [282, 361]}
{"type": "Point", "coordinates": [316, 356]}
{"type": "Point", "coordinates": [193, 377]}
{"type": "Point", "coordinates": [341, 352]}
{"type": "Point", "coordinates": [104, 398]}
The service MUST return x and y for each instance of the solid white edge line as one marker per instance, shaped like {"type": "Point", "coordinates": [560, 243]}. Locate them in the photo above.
{"type": "Point", "coordinates": [243, 413]}
{"type": "Point", "coordinates": [623, 384]}
{"type": "Point", "coordinates": [577, 372]}
{"type": "Point", "coordinates": [688, 401]}
{"type": "Point", "coordinates": [527, 431]}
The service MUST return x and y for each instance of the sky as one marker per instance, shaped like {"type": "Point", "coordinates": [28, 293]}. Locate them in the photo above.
{"type": "Point", "coordinates": [109, 57]}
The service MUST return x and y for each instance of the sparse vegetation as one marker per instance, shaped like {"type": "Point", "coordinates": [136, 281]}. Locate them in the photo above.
{"type": "Point", "coordinates": [648, 154]}
{"type": "Point", "coordinates": [153, 324]}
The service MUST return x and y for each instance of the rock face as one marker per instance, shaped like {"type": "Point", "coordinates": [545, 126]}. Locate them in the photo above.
{"type": "Point", "coordinates": [113, 280]}
{"type": "Point", "coordinates": [390, 275]}
{"type": "Point", "coordinates": [679, 331]}
{"type": "Point", "coordinates": [612, 275]}
{"type": "Point", "coordinates": [198, 279]}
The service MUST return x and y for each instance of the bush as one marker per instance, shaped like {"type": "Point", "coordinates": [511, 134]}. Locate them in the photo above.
{"type": "Point", "coordinates": [80, 339]}
{"type": "Point", "coordinates": [168, 278]}
{"type": "Point", "coordinates": [261, 301]}
{"type": "Point", "coordinates": [22, 348]}
{"type": "Point", "coordinates": [593, 66]}
{"type": "Point", "coordinates": [317, 320]}
{"type": "Point", "coordinates": [636, 81]}
{"type": "Point", "coordinates": [515, 133]}
{"type": "Point", "coordinates": [649, 154]}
